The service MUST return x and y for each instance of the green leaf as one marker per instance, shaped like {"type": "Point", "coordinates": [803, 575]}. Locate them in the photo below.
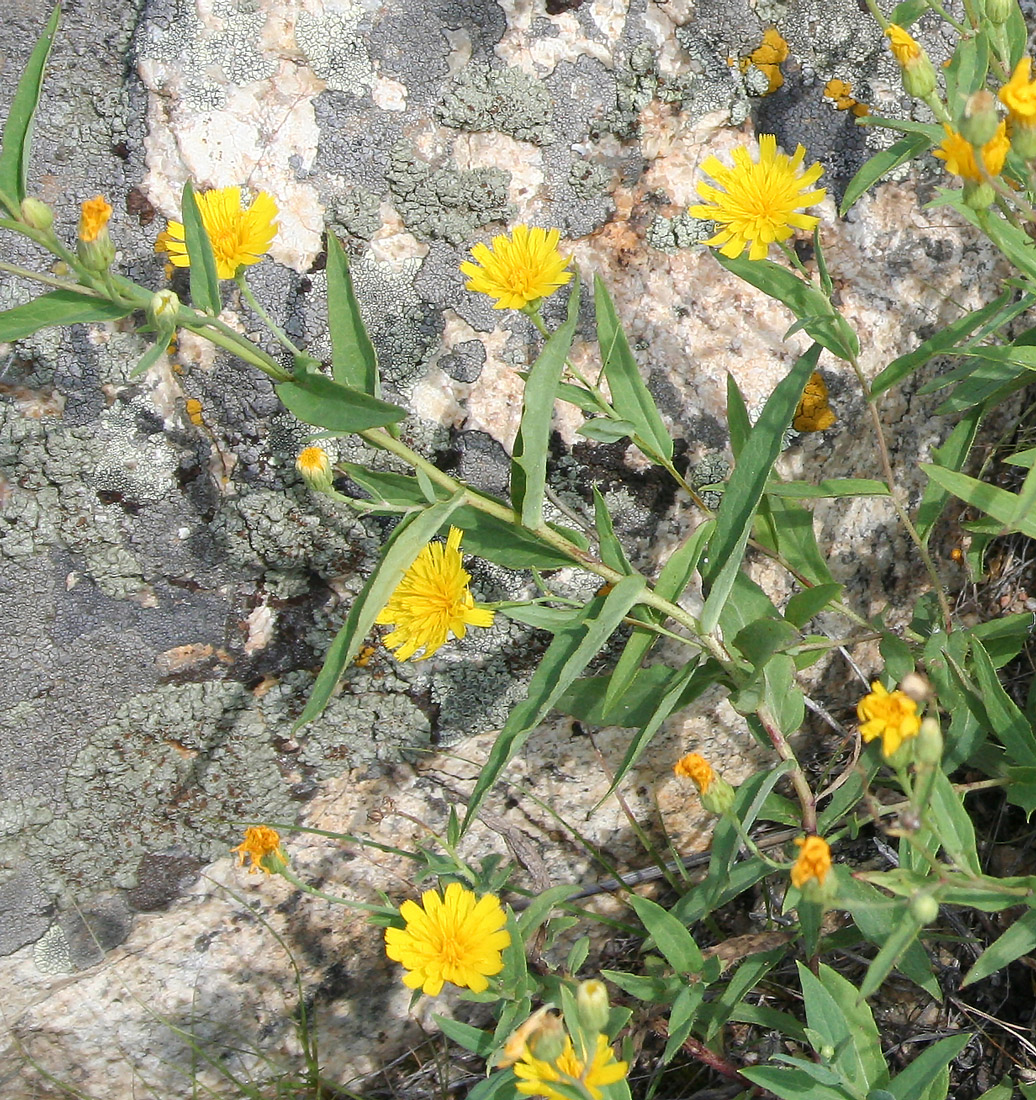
{"type": "Point", "coordinates": [612, 553]}
{"type": "Point", "coordinates": [470, 1038]}
{"type": "Point", "coordinates": [353, 360]}
{"type": "Point", "coordinates": [903, 15]}
{"type": "Point", "coordinates": [511, 546]}
{"type": "Point", "coordinates": [204, 280]}
{"type": "Point", "coordinates": [1005, 1090]}
{"type": "Point", "coordinates": [498, 1086]}
{"type": "Point", "coordinates": [316, 399]}
{"type": "Point", "coordinates": [17, 139]}
{"type": "Point", "coordinates": [586, 699]}
{"type": "Point", "coordinates": [631, 398]}
{"type": "Point", "coordinates": [808, 603]}
{"type": "Point", "coordinates": [1017, 36]}
{"type": "Point", "coordinates": [782, 694]}
{"type": "Point", "coordinates": [671, 937]}
{"type": "Point", "coordinates": [59, 307]}
{"type": "Point", "coordinates": [539, 909]}
{"type": "Point", "coordinates": [787, 528]}
{"type": "Point", "coordinates": [603, 429]}
{"type": "Point", "coordinates": [966, 72]}
{"type": "Point", "coordinates": [835, 1009]}
{"type": "Point", "coordinates": [829, 487]}
{"type": "Point", "coordinates": [746, 487]}
{"type": "Point", "coordinates": [738, 422]}
{"type": "Point", "coordinates": [529, 455]}
{"type": "Point", "coordinates": [1004, 717]}
{"type": "Point", "coordinates": [402, 548]}
{"type": "Point", "coordinates": [151, 357]}
{"type": "Point", "coordinates": [950, 456]}
{"type": "Point", "coordinates": [681, 1018]}
{"type": "Point", "coordinates": [1018, 940]}
{"type": "Point", "coordinates": [926, 1067]}
{"type": "Point", "coordinates": [907, 148]}
{"type": "Point", "coordinates": [822, 322]}
{"type": "Point", "coordinates": [794, 1083]}
{"type": "Point", "coordinates": [941, 341]}
{"type": "Point", "coordinates": [539, 617]}
{"type": "Point", "coordinates": [902, 935]}
{"type": "Point", "coordinates": [567, 655]}
{"type": "Point", "coordinates": [995, 502]}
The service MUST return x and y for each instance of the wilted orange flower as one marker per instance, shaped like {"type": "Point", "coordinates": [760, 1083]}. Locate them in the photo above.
{"type": "Point", "coordinates": [814, 861]}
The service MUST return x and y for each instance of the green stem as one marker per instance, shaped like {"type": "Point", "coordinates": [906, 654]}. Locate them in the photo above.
{"type": "Point", "coordinates": [221, 334]}
{"type": "Point", "coordinates": [280, 335]}
{"type": "Point", "coordinates": [51, 280]}
{"type": "Point", "coordinates": [807, 800]}
{"type": "Point", "coordinates": [287, 873]}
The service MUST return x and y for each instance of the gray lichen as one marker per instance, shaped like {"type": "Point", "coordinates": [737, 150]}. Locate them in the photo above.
{"type": "Point", "coordinates": [355, 214]}
{"type": "Point", "coordinates": [679, 231]}
{"type": "Point", "coordinates": [507, 99]}
{"type": "Point", "coordinates": [335, 51]}
{"type": "Point", "coordinates": [446, 202]}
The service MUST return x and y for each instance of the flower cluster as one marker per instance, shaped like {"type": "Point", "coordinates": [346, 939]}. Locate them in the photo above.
{"type": "Point", "coordinates": [890, 715]}
{"type": "Point", "coordinates": [432, 601]}
{"type": "Point", "coordinates": [454, 938]}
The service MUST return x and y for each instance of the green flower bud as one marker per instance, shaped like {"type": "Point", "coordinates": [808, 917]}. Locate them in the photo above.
{"type": "Point", "coordinates": [929, 744]}
{"type": "Point", "coordinates": [719, 798]}
{"type": "Point", "coordinates": [592, 1002]}
{"type": "Point", "coordinates": [980, 121]}
{"type": "Point", "coordinates": [979, 196]}
{"type": "Point", "coordinates": [36, 214]}
{"type": "Point", "coordinates": [1023, 141]}
{"type": "Point", "coordinates": [163, 310]}
{"type": "Point", "coordinates": [548, 1040]}
{"type": "Point", "coordinates": [999, 11]}
{"type": "Point", "coordinates": [924, 908]}
{"type": "Point", "coordinates": [919, 77]}
{"type": "Point", "coordinates": [315, 467]}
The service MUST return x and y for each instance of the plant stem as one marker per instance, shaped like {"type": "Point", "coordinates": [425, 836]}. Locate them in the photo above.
{"type": "Point", "coordinates": [280, 335]}
{"type": "Point", "coordinates": [806, 798]}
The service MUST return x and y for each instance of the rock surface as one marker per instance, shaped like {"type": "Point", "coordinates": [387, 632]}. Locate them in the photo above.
{"type": "Point", "coordinates": [169, 586]}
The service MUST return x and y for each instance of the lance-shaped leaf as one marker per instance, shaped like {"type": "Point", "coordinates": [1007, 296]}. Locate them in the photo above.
{"type": "Point", "coordinates": [353, 360]}
{"type": "Point", "coordinates": [17, 140]}
{"type": "Point", "coordinates": [59, 307]}
{"type": "Point", "coordinates": [318, 400]}
{"type": "Point", "coordinates": [529, 457]}
{"type": "Point", "coordinates": [204, 280]}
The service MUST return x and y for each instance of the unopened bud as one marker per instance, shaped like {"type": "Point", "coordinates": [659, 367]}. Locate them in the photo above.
{"type": "Point", "coordinates": [929, 744]}
{"type": "Point", "coordinates": [980, 121]}
{"type": "Point", "coordinates": [315, 467]}
{"type": "Point", "coordinates": [95, 249]}
{"type": "Point", "coordinates": [592, 1002]}
{"type": "Point", "coordinates": [36, 214]}
{"type": "Point", "coordinates": [163, 310]}
{"type": "Point", "coordinates": [915, 66]}
{"type": "Point", "coordinates": [719, 798]}
{"type": "Point", "coordinates": [916, 687]}
{"type": "Point", "coordinates": [978, 196]}
{"type": "Point", "coordinates": [1023, 141]}
{"type": "Point", "coordinates": [547, 1042]}
{"type": "Point", "coordinates": [999, 11]}
{"type": "Point", "coordinates": [924, 908]}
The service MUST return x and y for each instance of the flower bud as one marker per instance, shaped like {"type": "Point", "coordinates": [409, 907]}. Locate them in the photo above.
{"type": "Point", "coordinates": [36, 214]}
{"type": "Point", "coordinates": [924, 908]}
{"type": "Point", "coordinates": [1023, 141]}
{"type": "Point", "coordinates": [592, 1002]}
{"type": "Point", "coordinates": [95, 249]}
{"type": "Point", "coordinates": [999, 11]}
{"type": "Point", "coordinates": [916, 69]}
{"type": "Point", "coordinates": [929, 745]}
{"type": "Point", "coordinates": [980, 121]}
{"type": "Point", "coordinates": [548, 1040]}
{"type": "Point", "coordinates": [314, 465]}
{"type": "Point", "coordinates": [979, 196]}
{"type": "Point", "coordinates": [163, 310]}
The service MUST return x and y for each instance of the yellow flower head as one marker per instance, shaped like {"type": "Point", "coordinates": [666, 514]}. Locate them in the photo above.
{"type": "Point", "coordinates": [892, 716]}
{"type": "Point", "coordinates": [905, 49]}
{"type": "Point", "coordinates": [240, 236]}
{"type": "Point", "coordinates": [518, 269]}
{"type": "Point", "coordinates": [814, 861]}
{"type": "Point", "coordinates": [761, 199]}
{"type": "Point", "coordinates": [456, 938]}
{"type": "Point", "coordinates": [1018, 95]}
{"type": "Point", "coordinates": [696, 768]}
{"type": "Point", "coordinates": [959, 154]}
{"type": "Point", "coordinates": [315, 466]}
{"type": "Point", "coordinates": [432, 601]}
{"type": "Point", "coordinates": [536, 1076]}
{"type": "Point", "coordinates": [262, 846]}
{"type": "Point", "coordinates": [93, 217]}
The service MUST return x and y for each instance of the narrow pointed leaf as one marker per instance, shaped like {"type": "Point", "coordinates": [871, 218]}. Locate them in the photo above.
{"type": "Point", "coordinates": [529, 457]}
{"type": "Point", "coordinates": [1018, 940]}
{"type": "Point", "coordinates": [907, 148]}
{"type": "Point", "coordinates": [17, 139]}
{"type": "Point", "coordinates": [403, 546]}
{"type": "Point", "coordinates": [318, 400]}
{"type": "Point", "coordinates": [59, 307]}
{"type": "Point", "coordinates": [204, 280]}
{"type": "Point", "coordinates": [353, 361]}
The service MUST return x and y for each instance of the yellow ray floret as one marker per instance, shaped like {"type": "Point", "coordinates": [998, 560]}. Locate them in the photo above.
{"type": "Point", "coordinates": [518, 269]}
{"type": "Point", "coordinates": [756, 203]}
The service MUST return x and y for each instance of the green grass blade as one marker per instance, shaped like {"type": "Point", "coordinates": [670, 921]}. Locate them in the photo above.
{"type": "Point", "coordinates": [353, 360]}
{"type": "Point", "coordinates": [204, 281]}
{"type": "Point", "coordinates": [529, 457]}
{"type": "Point", "coordinates": [59, 307]}
{"type": "Point", "coordinates": [567, 655]}
{"type": "Point", "coordinates": [17, 139]}
{"type": "Point", "coordinates": [747, 485]}
{"type": "Point", "coordinates": [631, 398]}
{"type": "Point", "coordinates": [402, 548]}
{"type": "Point", "coordinates": [829, 487]}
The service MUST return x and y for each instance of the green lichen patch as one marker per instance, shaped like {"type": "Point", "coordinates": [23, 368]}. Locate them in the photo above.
{"type": "Point", "coordinates": [510, 100]}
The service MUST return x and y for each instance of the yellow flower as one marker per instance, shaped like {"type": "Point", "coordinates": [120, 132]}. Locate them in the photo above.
{"type": "Point", "coordinates": [93, 217]}
{"type": "Point", "coordinates": [959, 154]}
{"type": "Point", "coordinates": [262, 846]}
{"type": "Point", "coordinates": [892, 716]}
{"type": "Point", "coordinates": [519, 269]}
{"type": "Point", "coordinates": [239, 236]}
{"type": "Point", "coordinates": [537, 1076]}
{"type": "Point", "coordinates": [314, 465]}
{"type": "Point", "coordinates": [456, 938]}
{"type": "Point", "coordinates": [905, 49]}
{"type": "Point", "coordinates": [696, 768]}
{"type": "Point", "coordinates": [1018, 95]}
{"type": "Point", "coordinates": [432, 601]}
{"type": "Point", "coordinates": [760, 200]}
{"type": "Point", "coordinates": [814, 861]}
